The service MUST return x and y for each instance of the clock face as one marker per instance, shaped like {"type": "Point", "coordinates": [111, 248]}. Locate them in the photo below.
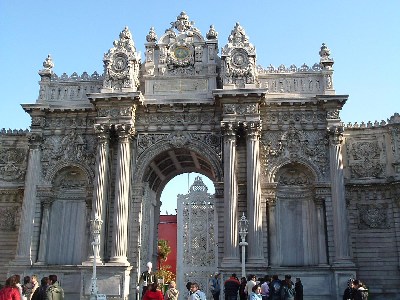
{"type": "Point", "coordinates": [119, 63]}
{"type": "Point", "coordinates": [181, 52]}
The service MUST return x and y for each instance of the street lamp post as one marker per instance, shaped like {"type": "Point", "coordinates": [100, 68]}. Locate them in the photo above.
{"type": "Point", "coordinates": [243, 227]}
{"type": "Point", "coordinates": [95, 230]}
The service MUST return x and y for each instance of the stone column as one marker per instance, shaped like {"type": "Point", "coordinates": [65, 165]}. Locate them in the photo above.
{"type": "Point", "coordinates": [231, 246]}
{"type": "Point", "coordinates": [120, 222]}
{"type": "Point", "coordinates": [340, 221]}
{"type": "Point", "coordinates": [47, 200]}
{"type": "Point", "coordinates": [322, 253]}
{"type": "Point", "coordinates": [100, 184]}
{"type": "Point", "coordinates": [254, 209]}
{"type": "Point", "coordinates": [23, 255]}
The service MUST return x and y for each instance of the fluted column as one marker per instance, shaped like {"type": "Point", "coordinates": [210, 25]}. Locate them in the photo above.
{"type": "Point", "coordinates": [23, 255]}
{"type": "Point", "coordinates": [231, 248]}
{"type": "Point", "coordinates": [340, 221]}
{"type": "Point", "coordinates": [121, 203]}
{"type": "Point", "coordinates": [100, 184]}
{"type": "Point", "coordinates": [254, 209]}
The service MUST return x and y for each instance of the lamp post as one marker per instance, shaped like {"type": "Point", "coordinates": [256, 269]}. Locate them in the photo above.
{"type": "Point", "coordinates": [95, 226]}
{"type": "Point", "coordinates": [243, 227]}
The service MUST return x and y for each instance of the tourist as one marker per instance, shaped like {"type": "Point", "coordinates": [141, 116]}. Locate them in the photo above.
{"type": "Point", "coordinates": [275, 288]}
{"type": "Point", "coordinates": [147, 277]}
{"type": "Point", "coordinates": [249, 285]}
{"type": "Point", "coordinates": [35, 285]}
{"type": "Point", "coordinates": [27, 288]}
{"type": "Point", "coordinates": [152, 293]}
{"type": "Point", "coordinates": [10, 290]}
{"type": "Point", "coordinates": [231, 287]}
{"type": "Point", "coordinates": [18, 285]}
{"type": "Point", "coordinates": [40, 292]}
{"type": "Point", "coordinates": [265, 287]}
{"type": "Point", "coordinates": [348, 292]}
{"type": "Point", "coordinates": [255, 293]}
{"type": "Point", "coordinates": [298, 286]}
{"type": "Point", "coordinates": [215, 285]}
{"type": "Point", "coordinates": [172, 293]}
{"type": "Point", "coordinates": [242, 288]}
{"type": "Point", "coordinates": [288, 291]}
{"type": "Point", "coordinates": [360, 292]}
{"type": "Point", "coordinates": [54, 291]}
{"type": "Point", "coordinates": [196, 293]}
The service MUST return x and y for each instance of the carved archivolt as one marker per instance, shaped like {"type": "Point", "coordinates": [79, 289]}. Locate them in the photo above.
{"type": "Point", "coordinates": [159, 143]}
{"type": "Point", "coordinates": [71, 149]}
{"type": "Point", "coordinates": [294, 145]}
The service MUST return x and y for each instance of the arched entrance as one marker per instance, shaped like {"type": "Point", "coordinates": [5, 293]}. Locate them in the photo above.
{"type": "Point", "coordinates": [159, 164]}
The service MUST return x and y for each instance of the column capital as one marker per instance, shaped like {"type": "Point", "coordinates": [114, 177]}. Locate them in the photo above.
{"type": "Point", "coordinates": [35, 139]}
{"type": "Point", "coordinates": [253, 128]}
{"type": "Point", "coordinates": [335, 134]}
{"type": "Point", "coordinates": [229, 128]}
{"type": "Point", "coordinates": [102, 131]}
{"type": "Point", "coordinates": [124, 131]}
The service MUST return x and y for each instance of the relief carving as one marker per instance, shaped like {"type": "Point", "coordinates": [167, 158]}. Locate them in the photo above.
{"type": "Point", "coordinates": [373, 216]}
{"type": "Point", "coordinates": [13, 163]}
{"type": "Point", "coordinates": [9, 218]}
{"type": "Point", "coordinates": [366, 159]}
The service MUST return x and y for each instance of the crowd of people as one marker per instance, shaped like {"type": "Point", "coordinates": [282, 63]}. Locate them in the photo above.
{"type": "Point", "coordinates": [49, 288]}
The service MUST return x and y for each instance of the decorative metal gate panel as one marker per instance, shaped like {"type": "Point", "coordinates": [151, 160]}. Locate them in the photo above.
{"type": "Point", "coordinates": [197, 234]}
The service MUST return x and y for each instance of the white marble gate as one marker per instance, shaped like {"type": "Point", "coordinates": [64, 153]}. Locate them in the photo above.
{"type": "Point", "coordinates": [197, 234]}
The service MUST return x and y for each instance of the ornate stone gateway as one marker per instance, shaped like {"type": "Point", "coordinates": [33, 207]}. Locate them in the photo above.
{"type": "Point", "coordinates": [322, 199]}
{"type": "Point", "coordinates": [197, 235]}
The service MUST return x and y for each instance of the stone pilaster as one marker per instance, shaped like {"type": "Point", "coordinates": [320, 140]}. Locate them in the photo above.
{"type": "Point", "coordinates": [23, 255]}
{"type": "Point", "coordinates": [254, 208]}
{"type": "Point", "coordinates": [321, 230]}
{"type": "Point", "coordinates": [120, 222]}
{"type": "Point", "coordinates": [101, 183]}
{"type": "Point", "coordinates": [46, 197]}
{"type": "Point", "coordinates": [340, 221]}
{"type": "Point", "coordinates": [273, 236]}
{"type": "Point", "coordinates": [231, 246]}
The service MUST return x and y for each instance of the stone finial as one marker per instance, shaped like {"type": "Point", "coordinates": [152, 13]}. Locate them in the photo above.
{"type": "Point", "coordinates": [326, 61]}
{"type": "Point", "coordinates": [48, 65]}
{"type": "Point", "coordinates": [151, 37]}
{"type": "Point", "coordinates": [238, 36]}
{"type": "Point", "coordinates": [182, 22]}
{"type": "Point", "coordinates": [212, 34]}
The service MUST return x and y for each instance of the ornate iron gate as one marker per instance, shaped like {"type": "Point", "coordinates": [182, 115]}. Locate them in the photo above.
{"type": "Point", "coordinates": [197, 234]}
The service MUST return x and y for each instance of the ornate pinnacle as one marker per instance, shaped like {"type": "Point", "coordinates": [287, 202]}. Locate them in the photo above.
{"type": "Point", "coordinates": [48, 64]}
{"type": "Point", "coordinates": [151, 37]}
{"type": "Point", "coordinates": [212, 34]}
{"type": "Point", "coordinates": [325, 59]}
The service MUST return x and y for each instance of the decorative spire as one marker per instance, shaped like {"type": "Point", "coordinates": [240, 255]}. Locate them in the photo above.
{"type": "Point", "coordinates": [198, 185]}
{"type": "Point", "coordinates": [238, 36]}
{"type": "Point", "coordinates": [325, 59]}
{"type": "Point", "coordinates": [151, 37]}
{"type": "Point", "coordinates": [212, 34]}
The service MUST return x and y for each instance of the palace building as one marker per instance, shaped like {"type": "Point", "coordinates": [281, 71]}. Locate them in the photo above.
{"type": "Point", "coordinates": [322, 199]}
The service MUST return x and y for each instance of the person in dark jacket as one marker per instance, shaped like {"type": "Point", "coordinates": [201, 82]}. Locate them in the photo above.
{"type": "Point", "coordinates": [231, 288]}
{"type": "Point", "coordinates": [298, 286]}
{"type": "Point", "coordinates": [40, 292]}
{"type": "Point", "coordinates": [242, 293]}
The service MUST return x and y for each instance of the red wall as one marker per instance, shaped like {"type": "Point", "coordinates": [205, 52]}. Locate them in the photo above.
{"type": "Point", "coordinates": [167, 230]}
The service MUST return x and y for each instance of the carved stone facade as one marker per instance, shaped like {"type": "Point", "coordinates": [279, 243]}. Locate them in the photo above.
{"type": "Point", "coordinates": [322, 199]}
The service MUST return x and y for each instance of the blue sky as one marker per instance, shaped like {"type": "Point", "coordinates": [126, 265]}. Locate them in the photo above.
{"type": "Point", "coordinates": [364, 38]}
